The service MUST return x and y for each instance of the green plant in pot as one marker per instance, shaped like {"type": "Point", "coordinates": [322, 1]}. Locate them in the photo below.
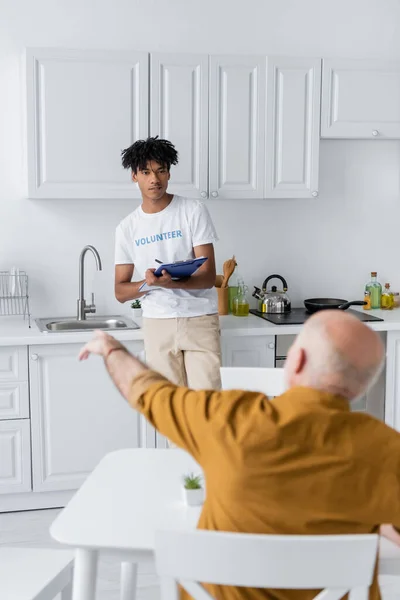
{"type": "Point", "coordinates": [193, 489]}
{"type": "Point", "coordinates": [136, 308]}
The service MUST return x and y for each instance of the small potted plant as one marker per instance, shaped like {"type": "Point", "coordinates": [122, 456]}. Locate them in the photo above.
{"type": "Point", "coordinates": [193, 490]}
{"type": "Point", "coordinates": [136, 308]}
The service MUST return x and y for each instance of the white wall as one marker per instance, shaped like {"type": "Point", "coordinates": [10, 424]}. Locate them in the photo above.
{"type": "Point", "coordinates": [323, 247]}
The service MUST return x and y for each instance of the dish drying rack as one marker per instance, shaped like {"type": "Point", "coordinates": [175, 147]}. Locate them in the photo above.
{"type": "Point", "coordinates": [14, 297]}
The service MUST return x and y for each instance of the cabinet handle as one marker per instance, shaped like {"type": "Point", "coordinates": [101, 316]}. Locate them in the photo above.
{"type": "Point", "coordinates": [271, 345]}
{"type": "Point", "coordinates": [203, 194]}
{"type": "Point", "coordinates": [34, 356]}
{"type": "Point", "coordinates": [314, 194]}
{"type": "Point", "coordinates": [214, 194]}
{"type": "Point", "coordinates": [375, 132]}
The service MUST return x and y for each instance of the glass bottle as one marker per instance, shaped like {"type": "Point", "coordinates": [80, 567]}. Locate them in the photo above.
{"type": "Point", "coordinates": [241, 304]}
{"type": "Point", "coordinates": [233, 287]}
{"type": "Point", "coordinates": [387, 298]}
{"type": "Point", "coordinates": [375, 289]}
{"type": "Point", "coordinates": [367, 299]}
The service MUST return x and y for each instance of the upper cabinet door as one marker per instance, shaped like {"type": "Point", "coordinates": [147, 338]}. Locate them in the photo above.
{"type": "Point", "coordinates": [237, 127]}
{"type": "Point", "coordinates": [179, 113]}
{"type": "Point", "coordinates": [293, 118]}
{"type": "Point", "coordinates": [84, 107]}
{"type": "Point", "coordinates": [360, 99]}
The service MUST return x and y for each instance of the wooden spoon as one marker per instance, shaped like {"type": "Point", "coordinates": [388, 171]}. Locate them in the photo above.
{"type": "Point", "coordinates": [218, 280]}
{"type": "Point", "coordinates": [229, 267]}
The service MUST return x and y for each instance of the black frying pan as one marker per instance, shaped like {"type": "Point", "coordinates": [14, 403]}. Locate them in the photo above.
{"type": "Point", "coordinates": [314, 304]}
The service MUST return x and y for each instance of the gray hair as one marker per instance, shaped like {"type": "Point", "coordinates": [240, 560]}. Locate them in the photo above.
{"type": "Point", "coordinates": [330, 369]}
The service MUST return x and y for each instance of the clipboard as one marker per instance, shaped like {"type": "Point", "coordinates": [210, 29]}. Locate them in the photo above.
{"type": "Point", "coordinates": [177, 270]}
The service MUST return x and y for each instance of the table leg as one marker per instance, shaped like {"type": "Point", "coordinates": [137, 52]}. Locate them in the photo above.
{"type": "Point", "coordinates": [85, 573]}
{"type": "Point", "coordinates": [128, 580]}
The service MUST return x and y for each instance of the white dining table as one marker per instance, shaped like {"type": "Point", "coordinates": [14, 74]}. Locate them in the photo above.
{"type": "Point", "coordinates": [128, 497]}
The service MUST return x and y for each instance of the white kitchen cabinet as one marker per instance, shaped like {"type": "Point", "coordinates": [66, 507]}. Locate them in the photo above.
{"type": "Point", "coordinates": [292, 128]}
{"type": "Point", "coordinates": [14, 393]}
{"type": "Point", "coordinates": [237, 126]}
{"type": "Point", "coordinates": [15, 456]}
{"type": "Point", "coordinates": [77, 416]}
{"type": "Point", "coordinates": [248, 351]}
{"type": "Point", "coordinates": [392, 396]}
{"type": "Point", "coordinates": [360, 99]}
{"type": "Point", "coordinates": [83, 108]}
{"type": "Point", "coordinates": [179, 113]}
{"type": "Point", "coordinates": [13, 363]}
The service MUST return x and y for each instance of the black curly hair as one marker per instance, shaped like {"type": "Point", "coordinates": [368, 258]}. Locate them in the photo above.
{"type": "Point", "coordinates": [141, 152]}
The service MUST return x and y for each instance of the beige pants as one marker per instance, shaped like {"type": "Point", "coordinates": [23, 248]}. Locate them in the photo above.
{"type": "Point", "coordinates": [185, 350]}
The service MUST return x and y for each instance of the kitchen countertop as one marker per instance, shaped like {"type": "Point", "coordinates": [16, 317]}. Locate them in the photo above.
{"type": "Point", "coordinates": [14, 331]}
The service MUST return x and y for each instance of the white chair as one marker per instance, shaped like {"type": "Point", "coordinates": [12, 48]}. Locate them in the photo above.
{"type": "Point", "coordinates": [270, 382]}
{"type": "Point", "coordinates": [35, 573]}
{"type": "Point", "coordinates": [337, 564]}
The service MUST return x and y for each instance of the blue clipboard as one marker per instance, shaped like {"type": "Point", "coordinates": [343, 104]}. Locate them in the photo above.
{"type": "Point", "coordinates": [177, 270]}
{"type": "Point", "coordinates": [183, 268]}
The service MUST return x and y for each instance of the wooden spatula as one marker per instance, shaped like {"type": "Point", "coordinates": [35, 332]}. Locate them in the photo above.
{"type": "Point", "coordinates": [229, 267]}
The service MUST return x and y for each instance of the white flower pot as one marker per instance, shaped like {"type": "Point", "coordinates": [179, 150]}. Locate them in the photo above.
{"type": "Point", "coordinates": [136, 313]}
{"type": "Point", "coordinates": [193, 497]}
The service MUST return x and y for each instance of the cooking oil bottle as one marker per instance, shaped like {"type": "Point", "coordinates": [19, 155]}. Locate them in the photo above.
{"type": "Point", "coordinates": [387, 300]}
{"type": "Point", "coordinates": [367, 300]}
{"type": "Point", "coordinates": [375, 289]}
{"type": "Point", "coordinates": [241, 304]}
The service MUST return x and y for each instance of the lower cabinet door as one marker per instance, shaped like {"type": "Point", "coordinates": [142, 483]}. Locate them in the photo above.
{"type": "Point", "coordinates": [77, 415]}
{"type": "Point", "coordinates": [15, 456]}
{"type": "Point", "coordinates": [248, 351]}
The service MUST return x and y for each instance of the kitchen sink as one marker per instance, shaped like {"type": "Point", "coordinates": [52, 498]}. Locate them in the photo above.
{"type": "Point", "coordinates": [62, 324]}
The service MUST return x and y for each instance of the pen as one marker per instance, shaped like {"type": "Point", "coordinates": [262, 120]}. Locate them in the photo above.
{"type": "Point", "coordinates": [158, 261]}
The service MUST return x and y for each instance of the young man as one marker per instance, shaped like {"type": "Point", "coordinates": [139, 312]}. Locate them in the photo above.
{"type": "Point", "coordinates": [180, 318]}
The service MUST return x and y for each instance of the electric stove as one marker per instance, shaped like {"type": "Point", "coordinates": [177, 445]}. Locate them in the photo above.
{"type": "Point", "coordinates": [298, 316]}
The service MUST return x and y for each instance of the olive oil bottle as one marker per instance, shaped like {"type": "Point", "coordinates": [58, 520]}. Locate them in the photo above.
{"type": "Point", "coordinates": [241, 304]}
{"type": "Point", "coordinates": [375, 289]}
{"type": "Point", "coordinates": [387, 300]}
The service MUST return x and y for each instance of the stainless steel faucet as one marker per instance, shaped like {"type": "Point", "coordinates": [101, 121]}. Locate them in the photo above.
{"type": "Point", "coordinates": [82, 308]}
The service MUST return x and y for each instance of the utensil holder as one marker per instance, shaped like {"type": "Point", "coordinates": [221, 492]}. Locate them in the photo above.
{"type": "Point", "coordinates": [223, 300]}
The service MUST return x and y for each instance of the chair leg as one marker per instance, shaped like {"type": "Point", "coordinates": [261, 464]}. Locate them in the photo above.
{"type": "Point", "coordinates": [128, 580]}
{"type": "Point", "coordinates": [85, 573]}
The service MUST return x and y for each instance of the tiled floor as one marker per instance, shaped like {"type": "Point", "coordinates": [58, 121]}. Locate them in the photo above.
{"type": "Point", "coordinates": [31, 529]}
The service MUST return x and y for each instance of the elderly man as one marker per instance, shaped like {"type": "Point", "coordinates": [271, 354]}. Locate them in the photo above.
{"type": "Point", "coordinates": [302, 464]}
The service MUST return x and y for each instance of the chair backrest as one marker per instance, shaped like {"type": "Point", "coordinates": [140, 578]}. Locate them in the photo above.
{"type": "Point", "coordinates": [270, 382]}
{"type": "Point", "coordinates": [335, 563]}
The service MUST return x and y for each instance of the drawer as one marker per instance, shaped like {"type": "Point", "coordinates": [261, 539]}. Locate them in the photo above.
{"type": "Point", "coordinates": [13, 363]}
{"type": "Point", "coordinates": [283, 343]}
{"type": "Point", "coordinates": [15, 456]}
{"type": "Point", "coordinates": [14, 400]}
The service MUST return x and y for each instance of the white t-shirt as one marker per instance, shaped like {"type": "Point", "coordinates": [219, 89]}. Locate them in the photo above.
{"type": "Point", "coordinates": [169, 235]}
